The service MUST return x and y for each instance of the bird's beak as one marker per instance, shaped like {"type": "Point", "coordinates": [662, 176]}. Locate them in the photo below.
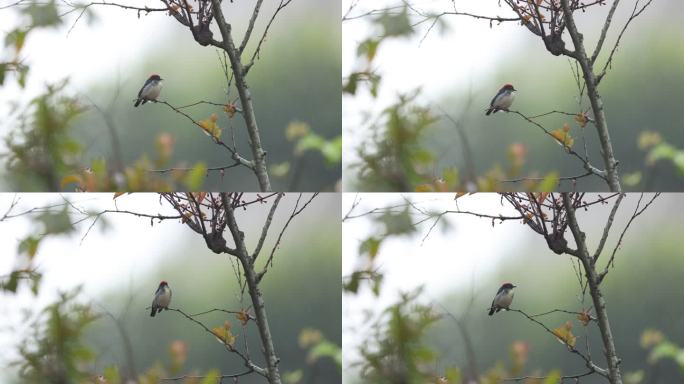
{"type": "Point", "coordinates": [515, 286]}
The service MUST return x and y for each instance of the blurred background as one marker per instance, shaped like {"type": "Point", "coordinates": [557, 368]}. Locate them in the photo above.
{"type": "Point", "coordinates": [118, 264]}
{"type": "Point", "coordinates": [109, 52]}
{"type": "Point", "coordinates": [459, 63]}
{"type": "Point", "coordinates": [428, 295]}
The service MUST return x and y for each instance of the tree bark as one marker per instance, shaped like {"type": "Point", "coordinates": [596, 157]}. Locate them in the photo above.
{"type": "Point", "coordinates": [255, 294]}
{"type": "Point", "coordinates": [260, 169]}
{"type": "Point", "coordinates": [612, 359]}
{"type": "Point", "coordinates": [590, 81]}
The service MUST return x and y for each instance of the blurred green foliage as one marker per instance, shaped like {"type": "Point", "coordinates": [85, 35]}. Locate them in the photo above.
{"type": "Point", "coordinates": [639, 292]}
{"type": "Point", "coordinates": [288, 85]}
{"type": "Point", "coordinates": [545, 165]}
{"type": "Point", "coordinates": [54, 351]}
{"type": "Point", "coordinates": [396, 155]}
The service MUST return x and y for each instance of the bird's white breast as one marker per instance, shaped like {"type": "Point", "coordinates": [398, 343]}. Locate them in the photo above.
{"type": "Point", "coordinates": [164, 298]}
{"type": "Point", "coordinates": [152, 90]}
{"type": "Point", "coordinates": [505, 299]}
{"type": "Point", "coordinates": [505, 100]}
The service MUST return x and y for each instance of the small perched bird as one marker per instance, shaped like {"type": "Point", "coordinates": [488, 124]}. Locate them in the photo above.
{"type": "Point", "coordinates": [503, 99]}
{"type": "Point", "coordinates": [503, 298]}
{"type": "Point", "coordinates": [162, 298]}
{"type": "Point", "coordinates": [150, 90]}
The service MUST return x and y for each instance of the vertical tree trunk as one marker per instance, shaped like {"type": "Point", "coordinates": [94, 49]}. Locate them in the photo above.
{"type": "Point", "coordinates": [612, 359]}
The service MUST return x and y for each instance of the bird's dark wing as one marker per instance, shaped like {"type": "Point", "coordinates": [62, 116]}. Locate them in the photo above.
{"type": "Point", "coordinates": [491, 103]}
{"type": "Point", "coordinates": [143, 87]}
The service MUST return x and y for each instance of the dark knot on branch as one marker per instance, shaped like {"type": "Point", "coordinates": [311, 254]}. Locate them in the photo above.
{"type": "Point", "coordinates": [554, 44]}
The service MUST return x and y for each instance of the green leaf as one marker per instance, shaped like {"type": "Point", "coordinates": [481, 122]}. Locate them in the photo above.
{"type": "Point", "coordinates": [16, 38]}
{"type": "Point", "coordinates": [327, 349]}
{"type": "Point", "coordinates": [661, 151]}
{"type": "Point", "coordinates": [293, 377]}
{"type": "Point", "coordinates": [352, 83]}
{"type": "Point", "coordinates": [211, 377]}
{"type": "Point", "coordinates": [397, 223]}
{"type": "Point", "coordinates": [56, 222]}
{"type": "Point", "coordinates": [678, 160]}
{"type": "Point", "coordinates": [632, 179]}
{"type": "Point", "coordinates": [353, 284]}
{"type": "Point", "coordinates": [280, 169]}
{"type": "Point", "coordinates": [194, 179]}
{"type": "Point", "coordinates": [111, 374]}
{"type": "Point", "coordinates": [29, 246]}
{"type": "Point", "coordinates": [680, 359]}
{"type": "Point", "coordinates": [43, 15]}
{"type": "Point", "coordinates": [332, 151]}
{"type": "Point", "coordinates": [310, 141]}
{"type": "Point", "coordinates": [663, 350]}
{"type": "Point", "coordinates": [370, 246]}
{"type": "Point", "coordinates": [549, 182]}
{"type": "Point", "coordinates": [553, 377]}
{"type": "Point", "coordinates": [12, 283]}
{"type": "Point", "coordinates": [3, 68]}
{"type": "Point", "coordinates": [395, 24]}
{"type": "Point", "coordinates": [368, 48]}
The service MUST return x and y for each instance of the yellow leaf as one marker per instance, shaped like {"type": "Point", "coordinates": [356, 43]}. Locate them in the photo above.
{"type": "Point", "coordinates": [581, 119]}
{"type": "Point", "coordinates": [584, 317]}
{"type": "Point", "coordinates": [564, 334]}
{"type": "Point", "coordinates": [230, 110]}
{"type": "Point", "coordinates": [563, 137]}
{"type": "Point", "coordinates": [541, 197]}
{"type": "Point", "coordinates": [296, 130]}
{"type": "Point", "coordinates": [243, 317]}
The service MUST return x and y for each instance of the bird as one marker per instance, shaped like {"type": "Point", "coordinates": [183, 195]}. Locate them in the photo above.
{"type": "Point", "coordinates": [150, 90]}
{"type": "Point", "coordinates": [503, 99]}
{"type": "Point", "coordinates": [162, 298]}
{"type": "Point", "coordinates": [503, 298]}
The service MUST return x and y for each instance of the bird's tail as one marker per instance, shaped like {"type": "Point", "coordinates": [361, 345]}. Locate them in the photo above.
{"type": "Point", "coordinates": [489, 111]}
{"type": "Point", "coordinates": [137, 102]}
{"type": "Point", "coordinates": [154, 312]}
{"type": "Point", "coordinates": [491, 310]}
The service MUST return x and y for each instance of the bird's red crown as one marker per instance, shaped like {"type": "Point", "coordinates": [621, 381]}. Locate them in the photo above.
{"type": "Point", "coordinates": [163, 282]}
{"type": "Point", "coordinates": [154, 76]}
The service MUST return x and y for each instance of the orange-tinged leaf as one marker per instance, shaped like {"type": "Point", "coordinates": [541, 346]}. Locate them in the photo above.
{"type": "Point", "coordinates": [564, 334]}
{"type": "Point", "coordinates": [243, 317]}
{"type": "Point", "coordinates": [584, 317]}
{"type": "Point", "coordinates": [224, 334]}
{"type": "Point", "coordinates": [563, 137]}
{"type": "Point", "coordinates": [542, 196]}
{"type": "Point", "coordinates": [117, 194]}
{"type": "Point", "coordinates": [528, 217]}
{"type": "Point", "coordinates": [566, 127]}
{"type": "Point", "coordinates": [581, 119]}
{"type": "Point", "coordinates": [230, 109]}
{"type": "Point", "coordinates": [459, 194]}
